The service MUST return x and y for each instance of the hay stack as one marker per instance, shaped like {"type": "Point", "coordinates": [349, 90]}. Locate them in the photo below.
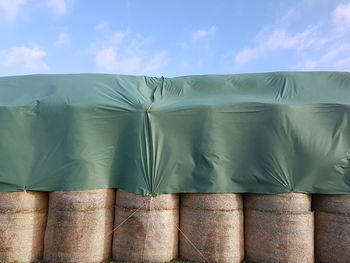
{"type": "Point", "coordinates": [279, 228]}
{"type": "Point", "coordinates": [79, 226]}
{"type": "Point", "coordinates": [213, 223]}
{"type": "Point", "coordinates": [332, 232]}
{"type": "Point", "coordinates": [22, 226]}
{"type": "Point", "coordinates": [149, 233]}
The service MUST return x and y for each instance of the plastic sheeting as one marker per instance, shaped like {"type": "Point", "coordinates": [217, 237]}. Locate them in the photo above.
{"type": "Point", "coordinates": [256, 133]}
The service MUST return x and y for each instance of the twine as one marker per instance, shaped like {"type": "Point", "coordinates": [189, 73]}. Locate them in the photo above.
{"type": "Point", "coordinates": [147, 228]}
{"type": "Point", "coordinates": [191, 243]}
{"type": "Point", "coordinates": [148, 203]}
{"type": "Point", "coordinates": [123, 222]}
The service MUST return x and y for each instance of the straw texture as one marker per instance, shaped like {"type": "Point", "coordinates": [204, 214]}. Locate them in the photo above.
{"type": "Point", "coordinates": [279, 228]}
{"type": "Point", "coordinates": [285, 202]}
{"type": "Point", "coordinates": [332, 228]}
{"type": "Point", "coordinates": [332, 203]}
{"type": "Point", "coordinates": [145, 228]}
{"type": "Point", "coordinates": [79, 226]}
{"type": "Point", "coordinates": [22, 225]}
{"type": "Point", "coordinates": [212, 226]}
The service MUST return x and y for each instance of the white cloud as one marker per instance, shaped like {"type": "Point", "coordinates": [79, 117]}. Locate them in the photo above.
{"type": "Point", "coordinates": [334, 54]}
{"type": "Point", "coordinates": [118, 37]}
{"type": "Point", "coordinates": [332, 57]}
{"type": "Point", "coordinates": [204, 33]}
{"type": "Point", "coordinates": [281, 39]}
{"type": "Point", "coordinates": [156, 63]}
{"type": "Point", "coordinates": [125, 53]}
{"type": "Point", "coordinates": [11, 7]}
{"type": "Point", "coordinates": [62, 39]}
{"type": "Point", "coordinates": [108, 59]}
{"type": "Point", "coordinates": [246, 55]}
{"type": "Point", "coordinates": [345, 62]}
{"type": "Point", "coordinates": [341, 17]}
{"type": "Point", "coordinates": [23, 59]}
{"type": "Point", "coordinates": [102, 25]}
{"type": "Point", "coordinates": [323, 45]}
{"type": "Point", "coordinates": [59, 7]}
{"type": "Point", "coordinates": [268, 40]}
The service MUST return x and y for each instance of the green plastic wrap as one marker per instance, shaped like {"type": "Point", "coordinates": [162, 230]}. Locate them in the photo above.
{"type": "Point", "coordinates": [256, 133]}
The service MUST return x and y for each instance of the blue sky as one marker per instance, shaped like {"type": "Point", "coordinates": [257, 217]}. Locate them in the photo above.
{"type": "Point", "coordinates": [173, 38]}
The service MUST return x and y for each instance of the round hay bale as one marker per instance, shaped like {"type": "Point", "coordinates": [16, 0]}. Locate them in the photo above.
{"type": "Point", "coordinates": [212, 228]}
{"type": "Point", "coordinates": [145, 228]}
{"type": "Point", "coordinates": [285, 202]}
{"type": "Point", "coordinates": [332, 203]}
{"type": "Point", "coordinates": [79, 226]}
{"type": "Point", "coordinates": [332, 231]}
{"type": "Point", "coordinates": [22, 226]}
{"type": "Point", "coordinates": [279, 231]}
{"type": "Point", "coordinates": [332, 237]}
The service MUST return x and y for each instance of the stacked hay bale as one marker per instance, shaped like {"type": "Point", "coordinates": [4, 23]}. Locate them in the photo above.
{"type": "Point", "coordinates": [22, 226]}
{"type": "Point", "coordinates": [145, 228]}
{"type": "Point", "coordinates": [279, 228]}
{"type": "Point", "coordinates": [79, 226]}
{"type": "Point", "coordinates": [212, 228]}
{"type": "Point", "coordinates": [332, 232]}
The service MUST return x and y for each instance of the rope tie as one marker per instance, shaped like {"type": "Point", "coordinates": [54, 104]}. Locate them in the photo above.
{"type": "Point", "coordinates": [123, 222]}
{"type": "Point", "coordinates": [148, 204]}
{"type": "Point", "coordinates": [191, 243]}
{"type": "Point", "coordinates": [147, 227]}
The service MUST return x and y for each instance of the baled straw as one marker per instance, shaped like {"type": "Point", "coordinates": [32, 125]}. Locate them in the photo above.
{"type": "Point", "coordinates": [145, 228]}
{"type": "Point", "coordinates": [79, 226]}
{"type": "Point", "coordinates": [285, 202]}
{"type": "Point", "coordinates": [22, 226]}
{"type": "Point", "coordinates": [338, 204]}
{"type": "Point", "coordinates": [332, 231]}
{"type": "Point", "coordinates": [279, 228]}
{"type": "Point", "coordinates": [211, 228]}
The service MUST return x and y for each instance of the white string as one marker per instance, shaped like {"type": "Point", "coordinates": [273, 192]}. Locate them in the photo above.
{"type": "Point", "coordinates": [147, 227]}
{"type": "Point", "coordinates": [153, 225]}
{"type": "Point", "coordinates": [191, 243]}
{"type": "Point", "coordinates": [148, 202]}
{"type": "Point", "coordinates": [122, 223]}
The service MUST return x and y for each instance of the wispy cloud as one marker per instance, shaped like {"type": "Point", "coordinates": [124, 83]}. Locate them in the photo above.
{"type": "Point", "coordinates": [62, 39]}
{"type": "Point", "coordinates": [314, 46]}
{"type": "Point", "coordinates": [268, 40]}
{"type": "Point", "coordinates": [11, 8]}
{"type": "Point", "coordinates": [102, 25]}
{"type": "Point", "coordinates": [246, 55]}
{"type": "Point", "coordinates": [344, 62]}
{"type": "Point", "coordinates": [204, 33]}
{"type": "Point", "coordinates": [23, 59]}
{"type": "Point", "coordinates": [126, 53]}
{"type": "Point", "coordinates": [59, 7]}
{"type": "Point", "coordinates": [341, 18]}
{"type": "Point", "coordinates": [118, 37]}
{"type": "Point", "coordinates": [332, 56]}
{"type": "Point", "coordinates": [281, 39]}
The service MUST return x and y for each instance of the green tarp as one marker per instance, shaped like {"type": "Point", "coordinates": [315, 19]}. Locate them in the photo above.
{"type": "Point", "coordinates": [257, 133]}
